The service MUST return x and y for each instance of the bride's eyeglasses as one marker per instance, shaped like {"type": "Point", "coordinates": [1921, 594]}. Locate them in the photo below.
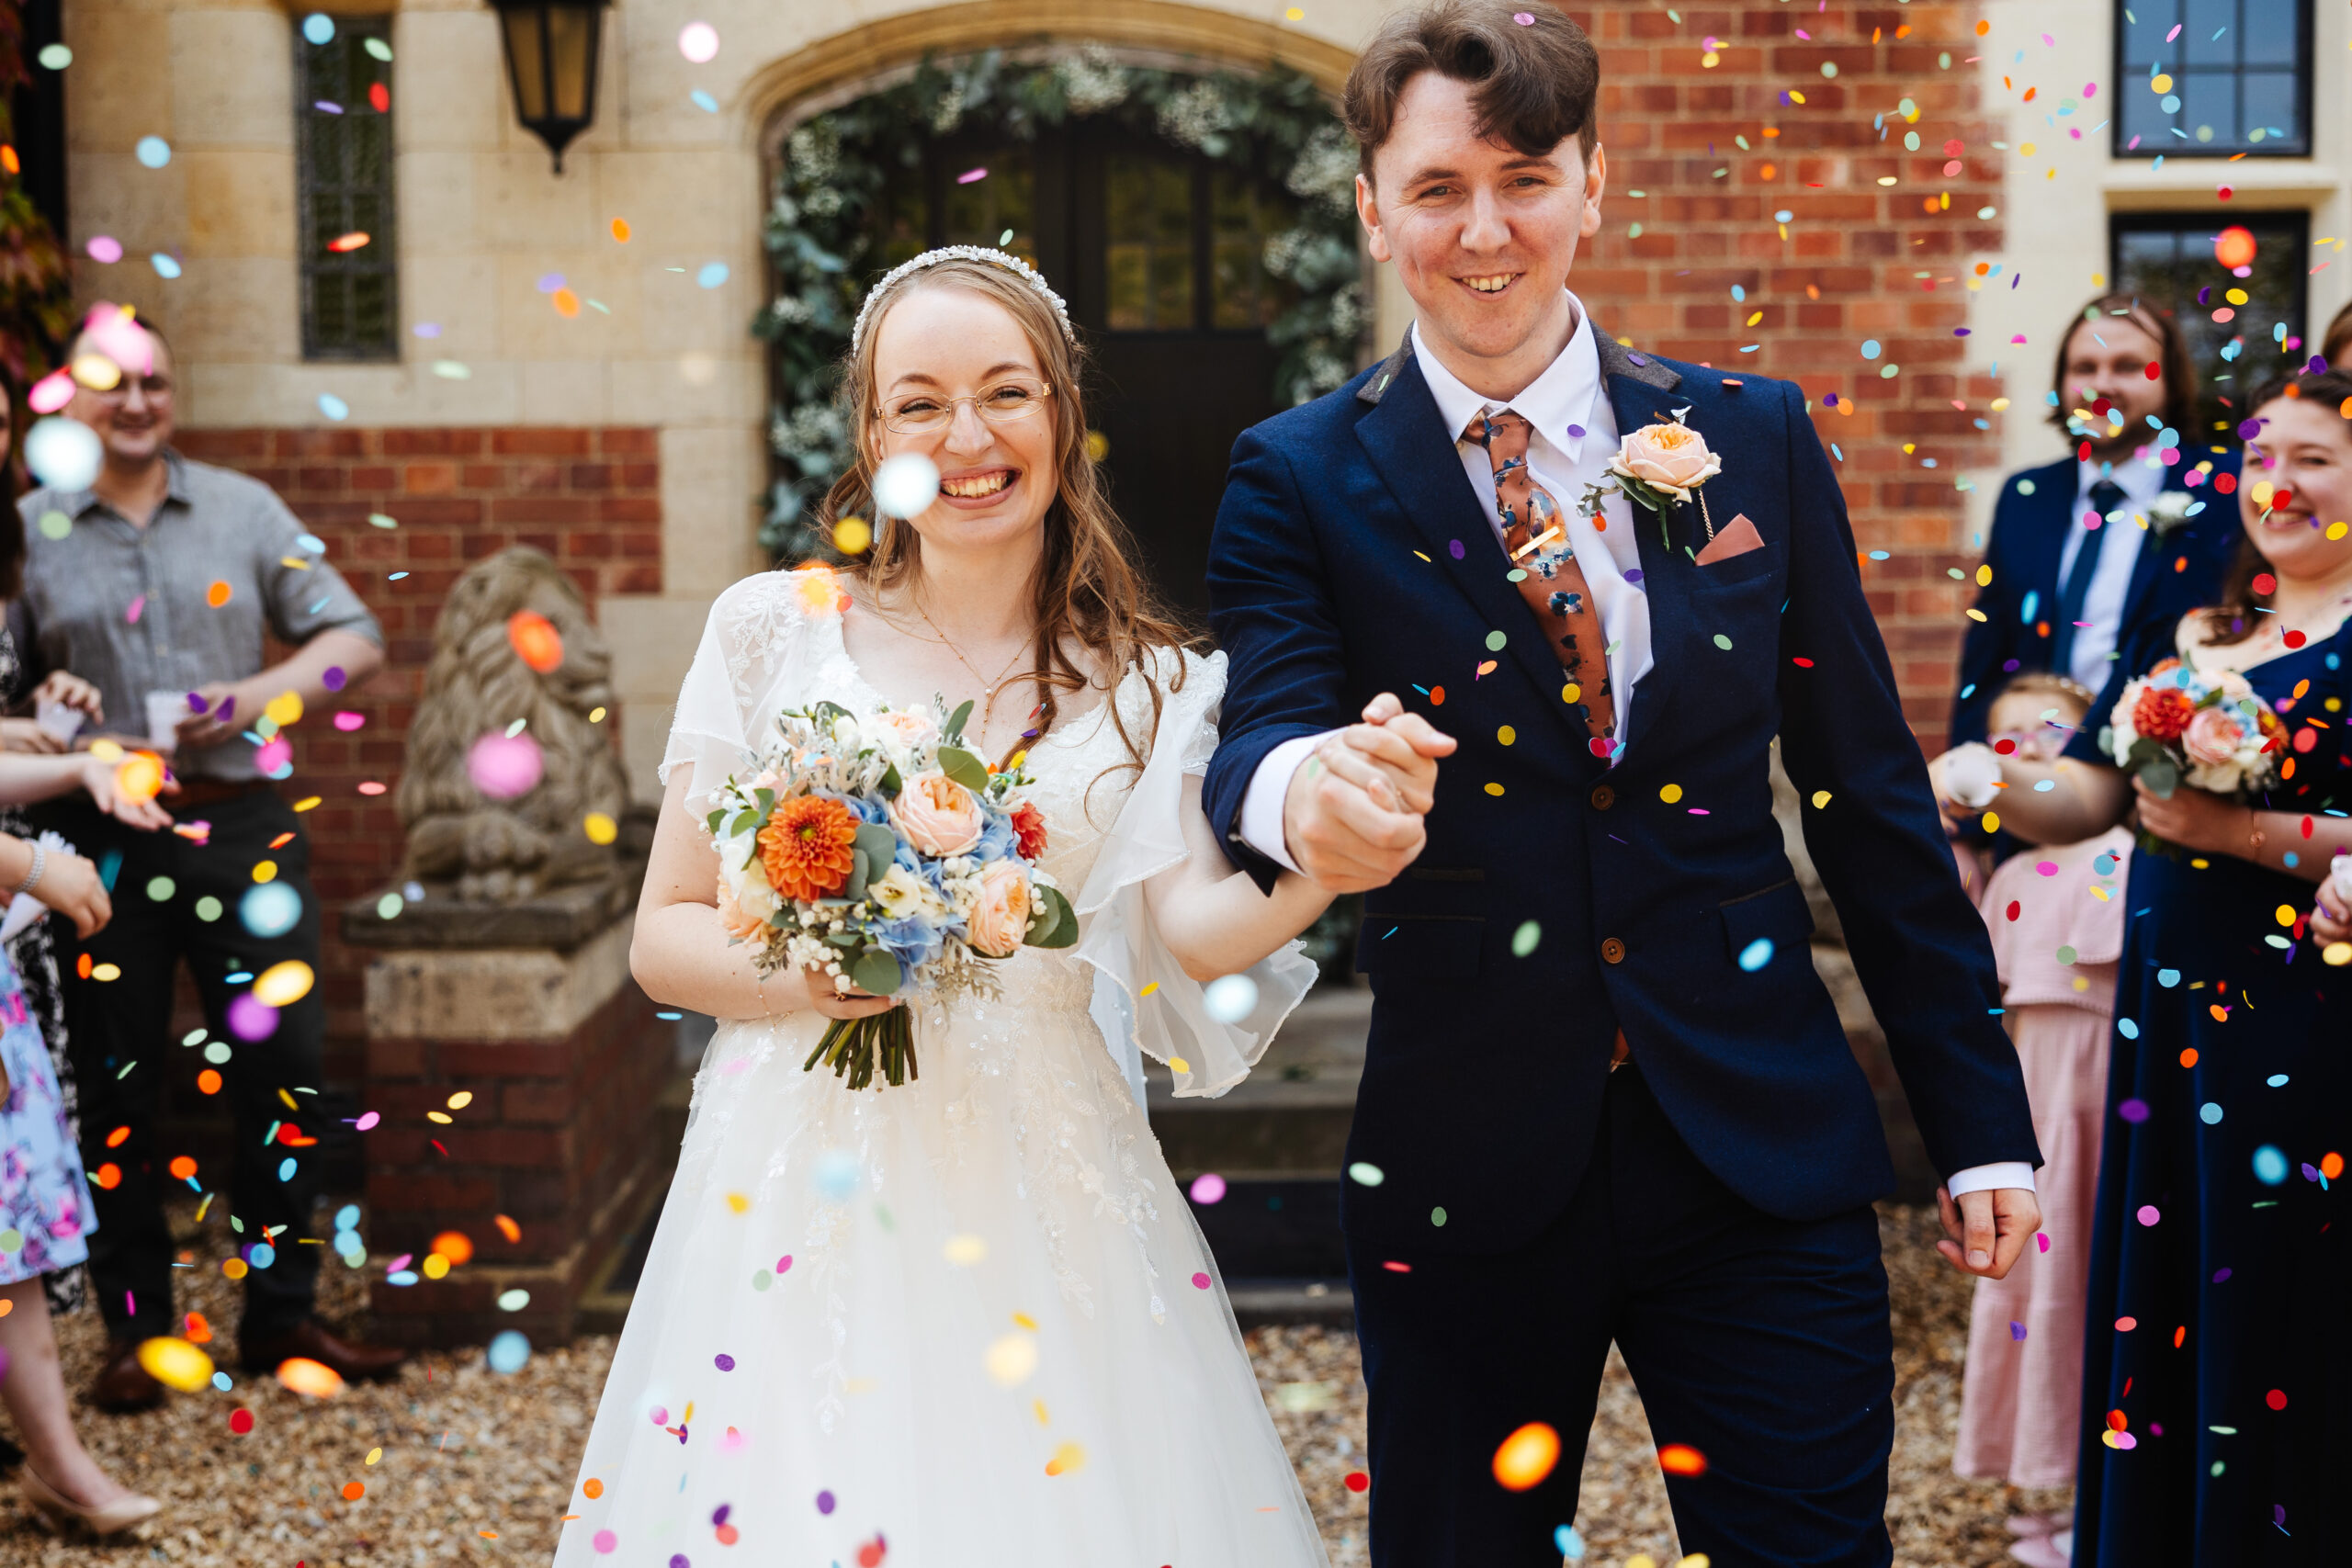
{"type": "Point", "coordinates": [1003, 403]}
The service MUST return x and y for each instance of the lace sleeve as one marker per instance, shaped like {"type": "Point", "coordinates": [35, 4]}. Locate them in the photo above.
{"type": "Point", "coordinates": [1143, 1002]}
{"type": "Point", "coordinates": [749, 646]}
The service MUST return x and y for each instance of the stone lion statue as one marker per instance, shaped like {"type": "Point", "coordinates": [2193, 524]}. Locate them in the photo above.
{"type": "Point", "coordinates": [476, 684]}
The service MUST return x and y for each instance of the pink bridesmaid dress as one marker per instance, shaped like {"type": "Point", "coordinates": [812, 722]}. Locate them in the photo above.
{"type": "Point", "coordinates": [2057, 917]}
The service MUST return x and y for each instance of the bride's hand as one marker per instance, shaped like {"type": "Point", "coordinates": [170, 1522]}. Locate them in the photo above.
{"type": "Point", "coordinates": [834, 1003]}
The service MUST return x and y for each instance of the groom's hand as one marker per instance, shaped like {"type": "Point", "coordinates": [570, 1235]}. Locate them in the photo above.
{"type": "Point", "coordinates": [1351, 818]}
{"type": "Point", "coordinates": [1987, 1230]}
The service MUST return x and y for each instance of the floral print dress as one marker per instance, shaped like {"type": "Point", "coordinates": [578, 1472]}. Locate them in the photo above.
{"type": "Point", "coordinates": [45, 1208]}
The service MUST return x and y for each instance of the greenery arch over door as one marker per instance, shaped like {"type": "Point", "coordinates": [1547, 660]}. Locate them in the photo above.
{"type": "Point", "coordinates": [829, 214]}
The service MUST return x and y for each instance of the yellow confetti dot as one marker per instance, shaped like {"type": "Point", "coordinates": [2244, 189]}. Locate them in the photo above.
{"type": "Point", "coordinates": [176, 1363]}
{"type": "Point", "coordinates": [266, 871]}
{"type": "Point", "coordinates": [1294, 14]}
{"type": "Point", "coordinates": [460, 1100]}
{"type": "Point", "coordinates": [1670, 793]}
{"type": "Point", "coordinates": [1527, 1456]}
{"type": "Point", "coordinates": [1991, 821]}
{"type": "Point", "coordinates": [1039, 1406]}
{"type": "Point", "coordinates": [1494, 789]}
{"type": "Point", "coordinates": [600, 828]}
{"type": "Point", "coordinates": [852, 535]}
{"type": "Point", "coordinates": [1098, 445]}
{"type": "Point", "coordinates": [596, 715]}
{"type": "Point", "coordinates": [306, 803]}
{"type": "Point", "coordinates": [139, 776]}
{"type": "Point", "coordinates": [1148, 990]}
{"type": "Point", "coordinates": [441, 1118]}
{"type": "Point", "coordinates": [1820, 798]}
{"type": "Point", "coordinates": [1570, 693]}
{"type": "Point", "coordinates": [218, 593]}
{"type": "Point", "coordinates": [284, 708]}
{"type": "Point", "coordinates": [2338, 530]}
{"type": "Point", "coordinates": [739, 1201]}
{"type": "Point", "coordinates": [1984, 576]}
{"type": "Point", "coordinates": [2160, 83]}
{"type": "Point", "coordinates": [232, 1267]}
{"type": "Point", "coordinates": [965, 1250]}
{"type": "Point", "coordinates": [283, 985]}
{"type": "Point", "coordinates": [1025, 1321]}
{"type": "Point", "coordinates": [106, 750]}
{"type": "Point", "coordinates": [1506, 735]}
{"type": "Point", "coordinates": [106, 972]}
{"type": "Point", "coordinates": [2285, 914]}
{"type": "Point", "coordinates": [436, 1266]}
{"type": "Point", "coordinates": [1012, 1358]}
{"type": "Point", "coordinates": [375, 1454]}
{"type": "Point", "coordinates": [1178, 1064]}
{"type": "Point", "coordinates": [2337, 953]}
{"type": "Point", "coordinates": [1696, 1560]}
{"type": "Point", "coordinates": [1067, 1458]}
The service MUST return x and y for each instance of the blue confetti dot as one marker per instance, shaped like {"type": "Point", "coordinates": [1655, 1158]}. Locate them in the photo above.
{"type": "Point", "coordinates": [2269, 1165]}
{"type": "Point", "coordinates": [712, 275]}
{"type": "Point", "coordinates": [332, 406]}
{"type": "Point", "coordinates": [1869, 348]}
{"type": "Point", "coordinates": [1783, 216]}
{"type": "Point", "coordinates": [264, 1255]}
{"type": "Point", "coordinates": [836, 1175]}
{"type": "Point", "coordinates": [2209, 1113]}
{"type": "Point", "coordinates": [403, 1277]}
{"type": "Point", "coordinates": [270, 909]}
{"type": "Point", "coordinates": [2277, 1080]}
{"type": "Point", "coordinates": [2127, 1028]}
{"type": "Point", "coordinates": [285, 1169]}
{"type": "Point", "coordinates": [164, 265]}
{"type": "Point", "coordinates": [318, 27]}
{"type": "Point", "coordinates": [1571, 1544]}
{"type": "Point", "coordinates": [703, 101]}
{"type": "Point", "coordinates": [2167, 978]}
{"type": "Point", "coordinates": [220, 1380]}
{"type": "Point", "coordinates": [154, 151]}
{"type": "Point", "coordinates": [509, 1351]}
{"type": "Point", "coordinates": [1756, 955]}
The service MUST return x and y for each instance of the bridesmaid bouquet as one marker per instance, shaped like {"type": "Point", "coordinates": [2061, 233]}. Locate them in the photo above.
{"type": "Point", "coordinates": [885, 851]}
{"type": "Point", "coordinates": [2174, 725]}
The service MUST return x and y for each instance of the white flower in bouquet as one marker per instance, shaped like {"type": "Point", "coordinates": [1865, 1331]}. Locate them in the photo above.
{"type": "Point", "coordinates": [1971, 775]}
{"type": "Point", "coordinates": [2168, 510]}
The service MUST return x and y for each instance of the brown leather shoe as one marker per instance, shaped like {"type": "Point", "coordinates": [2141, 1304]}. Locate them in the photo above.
{"type": "Point", "coordinates": [353, 1363]}
{"type": "Point", "coordinates": [122, 1385]}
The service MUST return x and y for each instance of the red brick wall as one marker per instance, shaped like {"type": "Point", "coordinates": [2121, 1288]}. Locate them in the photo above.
{"type": "Point", "coordinates": [590, 498]}
{"type": "Point", "coordinates": [1861, 260]}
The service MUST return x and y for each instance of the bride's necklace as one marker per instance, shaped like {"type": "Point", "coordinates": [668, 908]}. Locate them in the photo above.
{"type": "Point", "coordinates": [988, 689]}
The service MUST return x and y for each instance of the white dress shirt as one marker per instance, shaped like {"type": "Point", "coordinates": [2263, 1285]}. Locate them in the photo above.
{"type": "Point", "coordinates": [1573, 434]}
{"type": "Point", "coordinates": [2119, 553]}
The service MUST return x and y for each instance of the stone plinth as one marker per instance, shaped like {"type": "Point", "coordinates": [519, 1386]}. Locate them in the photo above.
{"type": "Point", "coordinates": [530, 1008]}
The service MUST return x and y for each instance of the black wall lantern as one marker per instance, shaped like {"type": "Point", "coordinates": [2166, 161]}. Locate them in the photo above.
{"type": "Point", "coordinates": [552, 47]}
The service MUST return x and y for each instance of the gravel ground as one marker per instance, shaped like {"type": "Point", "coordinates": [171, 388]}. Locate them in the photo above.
{"type": "Point", "coordinates": [476, 1468]}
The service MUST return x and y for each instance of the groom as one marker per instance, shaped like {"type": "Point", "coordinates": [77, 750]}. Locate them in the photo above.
{"type": "Point", "coordinates": [1606, 1096]}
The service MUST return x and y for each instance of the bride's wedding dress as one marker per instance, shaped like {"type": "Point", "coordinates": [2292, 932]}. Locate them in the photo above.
{"type": "Point", "coordinates": [968, 1321]}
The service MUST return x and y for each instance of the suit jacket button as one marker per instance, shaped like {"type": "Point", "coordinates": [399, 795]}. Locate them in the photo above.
{"type": "Point", "coordinates": [1613, 951]}
{"type": "Point", "coordinates": [1603, 797]}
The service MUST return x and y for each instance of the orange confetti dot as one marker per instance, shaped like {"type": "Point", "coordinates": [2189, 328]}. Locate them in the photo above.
{"type": "Point", "coordinates": [729, 1535]}
{"type": "Point", "coordinates": [207, 1082]}
{"type": "Point", "coordinates": [591, 1487]}
{"type": "Point", "coordinates": [1681, 1458]}
{"type": "Point", "coordinates": [509, 1229]}
{"type": "Point", "coordinates": [118, 1137]}
{"type": "Point", "coordinates": [1437, 696]}
{"type": "Point", "coordinates": [535, 640]}
{"type": "Point", "coordinates": [353, 1491]}
{"type": "Point", "coordinates": [2188, 1058]}
{"type": "Point", "coordinates": [354, 241]}
{"type": "Point", "coordinates": [455, 1246]}
{"type": "Point", "coordinates": [566, 302]}
{"type": "Point", "coordinates": [2220, 1014]}
{"type": "Point", "coordinates": [83, 966]}
{"type": "Point", "coordinates": [183, 1167]}
{"type": "Point", "coordinates": [216, 593]}
{"type": "Point", "coordinates": [108, 1176]}
{"type": "Point", "coordinates": [620, 229]}
{"type": "Point", "coordinates": [2331, 1165]}
{"type": "Point", "coordinates": [1527, 1456]}
{"type": "Point", "coordinates": [282, 840]}
{"type": "Point", "coordinates": [2180, 1336]}
{"type": "Point", "coordinates": [302, 1375]}
{"type": "Point", "coordinates": [8, 159]}
{"type": "Point", "coordinates": [198, 1331]}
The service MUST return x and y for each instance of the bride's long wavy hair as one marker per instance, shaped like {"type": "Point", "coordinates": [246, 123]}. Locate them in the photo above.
{"type": "Point", "coordinates": [1087, 590]}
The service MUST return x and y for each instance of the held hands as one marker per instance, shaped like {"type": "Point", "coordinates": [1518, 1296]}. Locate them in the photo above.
{"type": "Point", "coordinates": [105, 788]}
{"type": "Point", "coordinates": [1351, 818]}
{"type": "Point", "coordinates": [2332, 915]}
{"type": "Point", "coordinates": [2199, 820]}
{"type": "Point", "coordinates": [817, 989]}
{"type": "Point", "coordinates": [70, 884]}
{"type": "Point", "coordinates": [1987, 1231]}
{"type": "Point", "coordinates": [58, 686]}
{"type": "Point", "coordinates": [213, 725]}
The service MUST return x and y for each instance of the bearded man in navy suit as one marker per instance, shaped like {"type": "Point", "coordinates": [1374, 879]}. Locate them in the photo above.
{"type": "Point", "coordinates": [2136, 526]}
{"type": "Point", "coordinates": [1605, 1096]}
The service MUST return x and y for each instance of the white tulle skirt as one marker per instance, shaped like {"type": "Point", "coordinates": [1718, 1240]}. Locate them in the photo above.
{"type": "Point", "coordinates": [965, 1321]}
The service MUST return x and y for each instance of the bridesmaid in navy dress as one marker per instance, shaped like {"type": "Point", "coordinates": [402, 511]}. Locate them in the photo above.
{"type": "Point", "coordinates": [2218, 1364]}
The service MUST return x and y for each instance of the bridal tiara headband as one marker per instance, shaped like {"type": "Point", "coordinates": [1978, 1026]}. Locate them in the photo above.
{"type": "Point", "coordinates": [1010, 264]}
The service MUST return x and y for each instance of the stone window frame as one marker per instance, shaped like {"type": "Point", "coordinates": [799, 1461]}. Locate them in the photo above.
{"type": "Point", "coordinates": [2130, 76]}
{"type": "Point", "coordinates": [328, 184]}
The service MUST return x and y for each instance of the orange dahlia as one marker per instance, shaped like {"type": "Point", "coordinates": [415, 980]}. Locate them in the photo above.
{"type": "Point", "coordinates": [805, 846]}
{"type": "Point", "coordinates": [2162, 713]}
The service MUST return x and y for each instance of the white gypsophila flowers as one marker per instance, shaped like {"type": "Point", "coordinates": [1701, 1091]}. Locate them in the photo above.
{"type": "Point", "coordinates": [1092, 80]}
{"type": "Point", "coordinates": [1326, 169]}
{"type": "Point", "coordinates": [1195, 115]}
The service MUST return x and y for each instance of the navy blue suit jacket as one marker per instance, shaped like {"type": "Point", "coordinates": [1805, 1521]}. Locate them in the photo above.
{"type": "Point", "coordinates": [1351, 556]}
{"type": "Point", "coordinates": [2173, 575]}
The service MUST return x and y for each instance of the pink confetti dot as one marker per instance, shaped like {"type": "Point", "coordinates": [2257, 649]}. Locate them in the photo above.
{"type": "Point", "coordinates": [2042, 1241]}
{"type": "Point", "coordinates": [2126, 1324]}
{"type": "Point", "coordinates": [2046, 868]}
{"type": "Point", "coordinates": [2148, 1214]}
{"type": "Point", "coordinates": [605, 1541]}
{"type": "Point", "coordinates": [104, 248]}
{"type": "Point", "coordinates": [659, 1415]}
{"type": "Point", "coordinates": [347, 720]}
{"type": "Point", "coordinates": [1208, 1188]}
{"type": "Point", "coordinates": [783, 1264]}
{"type": "Point", "coordinates": [1200, 1282]}
{"type": "Point", "coordinates": [1523, 19]}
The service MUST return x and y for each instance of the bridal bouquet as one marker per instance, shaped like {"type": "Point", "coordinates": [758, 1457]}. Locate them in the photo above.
{"type": "Point", "coordinates": [2174, 725]}
{"type": "Point", "coordinates": [885, 851]}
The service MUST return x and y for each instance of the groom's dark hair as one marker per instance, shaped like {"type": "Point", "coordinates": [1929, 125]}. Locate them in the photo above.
{"type": "Point", "coordinates": [1535, 74]}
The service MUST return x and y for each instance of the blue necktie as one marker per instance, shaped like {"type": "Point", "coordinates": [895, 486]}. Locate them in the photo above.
{"type": "Point", "coordinates": [2105, 497]}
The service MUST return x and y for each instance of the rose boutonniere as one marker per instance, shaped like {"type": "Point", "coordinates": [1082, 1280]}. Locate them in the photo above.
{"type": "Point", "coordinates": [1664, 465]}
{"type": "Point", "coordinates": [2169, 511]}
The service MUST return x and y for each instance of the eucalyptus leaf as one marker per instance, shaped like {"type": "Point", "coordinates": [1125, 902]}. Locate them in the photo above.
{"type": "Point", "coordinates": [879, 844]}
{"type": "Point", "coordinates": [956, 720]}
{"type": "Point", "coordinates": [1063, 930]}
{"type": "Point", "coordinates": [963, 767]}
{"type": "Point", "coordinates": [744, 821]}
{"type": "Point", "coordinates": [714, 819]}
{"type": "Point", "coordinates": [2162, 778]}
{"type": "Point", "coordinates": [764, 801]}
{"type": "Point", "coordinates": [827, 714]}
{"type": "Point", "coordinates": [877, 972]}
{"type": "Point", "coordinates": [890, 784]}
{"type": "Point", "coordinates": [860, 868]}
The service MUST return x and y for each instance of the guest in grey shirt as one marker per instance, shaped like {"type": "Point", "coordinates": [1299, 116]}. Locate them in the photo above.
{"type": "Point", "coordinates": [157, 584]}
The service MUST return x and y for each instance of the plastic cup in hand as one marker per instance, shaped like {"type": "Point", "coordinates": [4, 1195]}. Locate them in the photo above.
{"type": "Point", "coordinates": [1971, 775]}
{"type": "Point", "coordinates": [164, 711]}
{"type": "Point", "coordinates": [60, 721]}
{"type": "Point", "coordinates": [2339, 877]}
{"type": "Point", "coordinates": [906, 485]}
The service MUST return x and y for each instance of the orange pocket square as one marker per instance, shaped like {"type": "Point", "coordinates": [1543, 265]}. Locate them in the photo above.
{"type": "Point", "coordinates": [1736, 537]}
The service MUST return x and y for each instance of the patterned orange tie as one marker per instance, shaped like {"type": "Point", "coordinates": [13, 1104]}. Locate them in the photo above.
{"type": "Point", "coordinates": [1554, 587]}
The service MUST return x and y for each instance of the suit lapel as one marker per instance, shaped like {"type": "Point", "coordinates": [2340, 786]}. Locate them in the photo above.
{"type": "Point", "coordinates": [1642, 392]}
{"type": "Point", "coordinates": [2150, 562]}
{"type": "Point", "coordinates": [1406, 438]}
{"type": "Point", "coordinates": [2054, 500]}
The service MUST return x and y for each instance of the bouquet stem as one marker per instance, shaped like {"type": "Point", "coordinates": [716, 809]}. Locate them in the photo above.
{"type": "Point", "coordinates": [850, 1045]}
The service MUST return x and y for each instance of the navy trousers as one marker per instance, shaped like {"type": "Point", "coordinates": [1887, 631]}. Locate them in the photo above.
{"type": "Point", "coordinates": [1761, 1343]}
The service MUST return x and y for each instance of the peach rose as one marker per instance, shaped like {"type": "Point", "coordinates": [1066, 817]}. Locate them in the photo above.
{"type": "Point", "coordinates": [740, 922]}
{"type": "Point", "coordinates": [1001, 915]}
{"type": "Point", "coordinates": [904, 729]}
{"type": "Point", "coordinates": [2212, 737]}
{"type": "Point", "coordinates": [938, 816]}
{"type": "Point", "coordinates": [1671, 458]}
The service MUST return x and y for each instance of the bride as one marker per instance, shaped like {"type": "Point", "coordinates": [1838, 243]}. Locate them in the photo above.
{"type": "Point", "coordinates": [970, 1320]}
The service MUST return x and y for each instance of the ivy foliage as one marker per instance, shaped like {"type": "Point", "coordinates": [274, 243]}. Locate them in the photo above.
{"type": "Point", "coordinates": [821, 244]}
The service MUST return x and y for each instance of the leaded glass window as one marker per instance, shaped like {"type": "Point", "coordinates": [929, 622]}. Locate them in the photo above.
{"type": "Point", "coordinates": [2239, 329]}
{"type": "Point", "coordinates": [2209, 78]}
{"type": "Point", "coordinates": [342, 170]}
